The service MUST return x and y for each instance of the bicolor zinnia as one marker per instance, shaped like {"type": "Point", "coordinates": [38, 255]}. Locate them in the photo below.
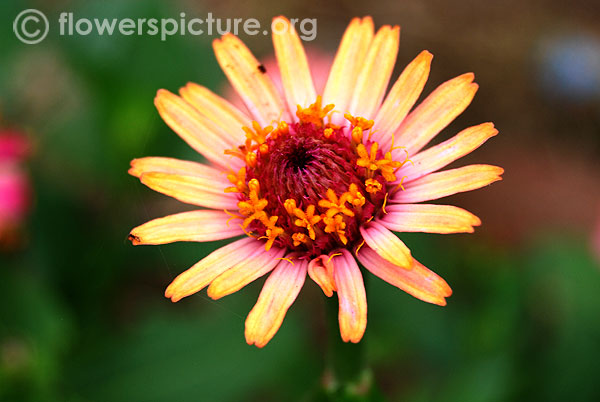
{"type": "Point", "coordinates": [315, 183]}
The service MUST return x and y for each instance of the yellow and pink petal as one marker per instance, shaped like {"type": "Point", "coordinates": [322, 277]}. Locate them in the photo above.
{"type": "Point", "coordinates": [253, 267]}
{"type": "Point", "coordinates": [277, 295]}
{"type": "Point", "coordinates": [191, 190]}
{"type": "Point", "coordinates": [441, 155]}
{"type": "Point", "coordinates": [352, 297]}
{"type": "Point", "coordinates": [418, 281]}
{"type": "Point", "coordinates": [198, 226]}
{"type": "Point", "coordinates": [449, 182]}
{"type": "Point", "coordinates": [428, 218]}
{"type": "Point", "coordinates": [216, 109]}
{"type": "Point", "coordinates": [386, 244]}
{"type": "Point", "coordinates": [438, 110]}
{"type": "Point", "coordinates": [401, 98]}
{"type": "Point", "coordinates": [195, 129]}
{"type": "Point", "coordinates": [254, 86]}
{"type": "Point", "coordinates": [320, 270]}
{"type": "Point", "coordinates": [206, 270]}
{"type": "Point", "coordinates": [157, 164]}
{"type": "Point", "coordinates": [293, 65]}
{"type": "Point", "coordinates": [347, 64]}
{"type": "Point", "coordinates": [375, 73]}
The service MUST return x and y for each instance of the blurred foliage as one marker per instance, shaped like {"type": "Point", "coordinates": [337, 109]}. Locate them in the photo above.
{"type": "Point", "coordinates": [83, 318]}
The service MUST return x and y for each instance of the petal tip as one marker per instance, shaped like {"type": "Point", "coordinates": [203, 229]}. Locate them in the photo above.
{"type": "Point", "coordinates": [426, 54]}
{"type": "Point", "coordinates": [134, 169]}
{"type": "Point", "coordinates": [134, 239]}
{"type": "Point", "coordinates": [170, 294]}
{"type": "Point", "coordinates": [213, 292]}
{"type": "Point", "coordinates": [162, 93]}
{"type": "Point", "coordinates": [469, 77]}
{"type": "Point", "coordinates": [491, 128]}
{"type": "Point", "coordinates": [281, 18]}
{"type": "Point", "coordinates": [254, 339]}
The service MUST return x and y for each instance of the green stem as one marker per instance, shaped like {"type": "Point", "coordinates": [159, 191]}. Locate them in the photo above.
{"type": "Point", "coordinates": [345, 360]}
{"type": "Point", "coordinates": [347, 376]}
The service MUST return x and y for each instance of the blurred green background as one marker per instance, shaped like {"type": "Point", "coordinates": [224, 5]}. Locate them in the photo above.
{"type": "Point", "coordinates": [83, 317]}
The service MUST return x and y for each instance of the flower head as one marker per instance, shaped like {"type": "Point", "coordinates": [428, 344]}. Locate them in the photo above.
{"type": "Point", "coordinates": [314, 181]}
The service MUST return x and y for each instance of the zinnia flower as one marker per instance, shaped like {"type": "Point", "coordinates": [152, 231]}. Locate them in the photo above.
{"type": "Point", "coordinates": [314, 182]}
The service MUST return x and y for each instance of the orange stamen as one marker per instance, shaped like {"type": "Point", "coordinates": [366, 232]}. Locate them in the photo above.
{"type": "Point", "coordinates": [335, 205]}
{"type": "Point", "coordinates": [307, 219]}
{"type": "Point", "coordinates": [373, 186]}
{"type": "Point", "coordinates": [239, 182]}
{"type": "Point", "coordinates": [337, 225]}
{"type": "Point", "coordinates": [314, 113]}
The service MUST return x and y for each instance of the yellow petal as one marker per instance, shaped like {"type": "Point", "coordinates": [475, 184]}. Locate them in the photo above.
{"type": "Point", "coordinates": [347, 65]}
{"type": "Point", "coordinates": [204, 225]}
{"type": "Point", "coordinates": [191, 190]}
{"type": "Point", "coordinates": [278, 293]}
{"type": "Point", "coordinates": [448, 182]}
{"type": "Point", "coordinates": [447, 152]}
{"type": "Point", "coordinates": [254, 86]}
{"type": "Point", "coordinates": [245, 272]}
{"type": "Point", "coordinates": [375, 73]}
{"type": "Point", "coordinates": [320, 270]}
{"type": "Point", "coordinates": [352, 297]}
{"type": "Point", "coordinates": [402, 98]}
{"type": "Point", "coordinates": [442, 106]}
{"type": "Point", "coordinates": [293, 65]}
{"type": "Point", "coordinates": [219, 111]}
{"type": "Point", "coordinates": [217, 262]}
{"type": "Point", "coordinates": [418, 281]}
{"type": "Point", "coordinates": [194, 129]}
{"type": "Point", "coordinates": [157, 164]}
{"type": "Point", "coordinates": [386, 244]}
{"type": "Point", "coordinates": [428, 218]}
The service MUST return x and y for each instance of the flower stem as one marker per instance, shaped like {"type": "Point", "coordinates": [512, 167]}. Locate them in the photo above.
{"type": "Point", "coordinates": [345, 360]}
{"type": "Point", "coordinates": [346, 371]}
